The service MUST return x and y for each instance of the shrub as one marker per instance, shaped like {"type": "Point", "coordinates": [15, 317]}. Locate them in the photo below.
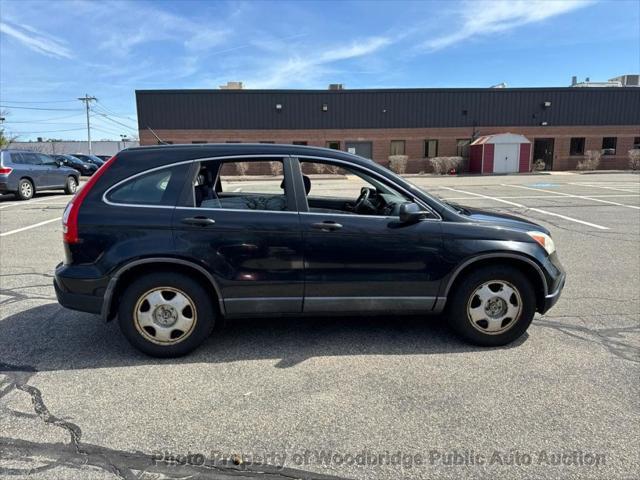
{"type": "Point", "coordinates": [398, 163]}
{"type": "Point", "coordinates": [443, 165]}
{"type": "Point", "coordinates": [591, 160]}
{"type": "Point", "coordinates": [275, 168]}
{"type": "Point", "coordinates": [634, 159]}
{"type": "Point", "coordinates": [539, 165]}
{"type": "Point", "coordinates": [242, 168]}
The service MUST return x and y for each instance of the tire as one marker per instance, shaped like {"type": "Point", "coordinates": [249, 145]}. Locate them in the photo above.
{"type": "Point", "coordinates": [166, 314]}
{"type": "Point", "coordinates": [25, 189]}
{"type": "Point", "coordinates": [492, 306]}
{"type": "Point", "coordinates": [71, 186]}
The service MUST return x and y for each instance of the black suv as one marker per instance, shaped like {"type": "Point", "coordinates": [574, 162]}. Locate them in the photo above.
{"type": "Point", "coordinates": [170, 239]}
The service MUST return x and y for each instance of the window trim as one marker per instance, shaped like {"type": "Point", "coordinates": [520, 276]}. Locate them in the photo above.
{"type": "Point", "coordinates": [175, 164]}
{"type": "Point", "coordinates": [292, 165]}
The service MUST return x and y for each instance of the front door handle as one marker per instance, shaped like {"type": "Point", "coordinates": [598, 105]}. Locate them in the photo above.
{"type": "Point", "coordinates": [327, 226]}
{"type": "Point", "coordinates": [199, 221]}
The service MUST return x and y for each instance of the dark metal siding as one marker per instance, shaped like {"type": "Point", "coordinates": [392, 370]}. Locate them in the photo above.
{"type": "Point", "coordinates": [408, 108]}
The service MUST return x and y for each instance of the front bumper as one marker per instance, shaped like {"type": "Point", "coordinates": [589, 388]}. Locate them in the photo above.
{"type": "Point", "coordinates": [556, 278]}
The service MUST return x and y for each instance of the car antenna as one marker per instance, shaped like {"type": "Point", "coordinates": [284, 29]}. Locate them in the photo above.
{"type": "Point", "coordinates": [157, 137]}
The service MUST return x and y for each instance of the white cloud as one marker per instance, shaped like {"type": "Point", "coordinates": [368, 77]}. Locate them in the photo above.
{"type": "Point", "coordinates": [37, 41]}
{"type": "Point", "coordinates": [305, 70]}
{"type": "Point", "coordinates": [493, 16]}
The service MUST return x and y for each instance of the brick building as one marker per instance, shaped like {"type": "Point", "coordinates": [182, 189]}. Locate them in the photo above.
{"type": "Point", "coordinates": [561, 123]}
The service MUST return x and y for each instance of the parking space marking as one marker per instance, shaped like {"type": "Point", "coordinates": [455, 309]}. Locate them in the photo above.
{"type": "Point", "coordinates": [562, 194]}
{"type": "Point", "coordinates": [539, 210]}
{"type": "Point", "coordinates": [611, 195]}
{"type": "Point", "coordinates": [34, 200]}
{"type": "Point", "coordinates": [625, 188]}
{"type": "Point", "coordinates": [29, 227]}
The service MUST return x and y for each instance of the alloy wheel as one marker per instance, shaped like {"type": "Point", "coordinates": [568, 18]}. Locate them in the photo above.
{"type": "Point", "coordinates": [165, 315]}
{"type": "Point", "coordinates": [494, 307]}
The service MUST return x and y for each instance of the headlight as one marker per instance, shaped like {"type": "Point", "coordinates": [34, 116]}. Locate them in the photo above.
{"type": "Point", "coordinates": [544, 240]}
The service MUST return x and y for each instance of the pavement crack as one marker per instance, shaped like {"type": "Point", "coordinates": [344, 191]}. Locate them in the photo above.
{"type": "Point", "coordinates": [613, 339]}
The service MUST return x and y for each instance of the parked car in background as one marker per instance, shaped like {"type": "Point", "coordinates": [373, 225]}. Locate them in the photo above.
{"type": "Point", "coordinates": [85, 168]}
{"type": "Point", "coordinates": [104, 158]}
{"type": "Point", "coordinates": [23, 173]}
{"type": "Point", "coordinates": [89, 158]}
{"type": "Point", "coordinates": [161, 239]}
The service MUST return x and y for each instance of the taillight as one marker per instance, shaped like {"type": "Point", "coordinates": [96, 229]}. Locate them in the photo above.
{"type": "Point", "coordinates": [5, 170]}
{"type": "Point", "coordinates": [70, 216]}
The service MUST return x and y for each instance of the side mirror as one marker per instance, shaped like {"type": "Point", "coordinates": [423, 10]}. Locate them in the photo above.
{"type": "Point", "coordinates": [59, 163]}
{"type": "Point", "coordinates": [411, 212]}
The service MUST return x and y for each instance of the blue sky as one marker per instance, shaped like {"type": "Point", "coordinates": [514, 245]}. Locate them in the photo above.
{"type": "Point", "coordinates": [52, 52]}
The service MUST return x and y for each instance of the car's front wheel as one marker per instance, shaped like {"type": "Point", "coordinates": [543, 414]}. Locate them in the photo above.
{"type": "Point", "coordinates": [492, 306]}
{"type": "Point", "coordinates": [71, 186]}
{"type": "Point", "coordinates": [166, 314]}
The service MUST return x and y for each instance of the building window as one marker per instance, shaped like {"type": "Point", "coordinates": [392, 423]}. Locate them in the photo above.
{"type": "Point", "coordinates": [300, 142]}
{"type": "Point", "coordinates": [636, 142]}
{"type": "Point", "coordinates": [397, 147]}
{"type": "Point", "coordinates": [233, 141]}
{"type": "Point", "coordinates": [333, 145]}
{"type": "Point", "coordinates": [577, 146]}
{"type": "Point", "coordinates": [199, 141]}
{"type": "Point", "coordinates": [430, 148]}
{"type": "Point", "coordinates": [609, 145]}
{"type": "Point", "coordinates": [267, 141]}
{"type": "Point", "coordinates": [462, 147]}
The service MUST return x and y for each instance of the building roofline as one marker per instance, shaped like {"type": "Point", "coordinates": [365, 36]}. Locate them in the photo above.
{"type": "Point", "coordinates": [367, 90]}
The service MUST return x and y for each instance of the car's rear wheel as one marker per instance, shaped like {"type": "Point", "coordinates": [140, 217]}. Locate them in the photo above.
{"type": "Point", "coordinates": [71, 186]}
{"type": "Point", "coordinates": [166, 314]}
{"type": "Point", "coordinates": [25, 189]}
{"type": "Point", "coordinates": [492, 306]}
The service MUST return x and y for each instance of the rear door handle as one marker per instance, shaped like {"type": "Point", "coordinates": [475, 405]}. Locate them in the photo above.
{"type": "Point", "coordinates": [327, 226]}
{"type": "Point", "coordinates": [199, 221]}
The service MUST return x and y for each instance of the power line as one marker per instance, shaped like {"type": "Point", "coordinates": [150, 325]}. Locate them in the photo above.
{"type": "Point", "coordinates": [38, 108]}
{"type": "Point", "coordinates": [47, 131]}
{"type": "Point", "coordinates": [44, 120]}
{"type": "Point", "coordinates": [40, 101]}
{"type": "Point", "coordinates": [114, 114]}
{"type": "Point", "coordinates": [106, 117]}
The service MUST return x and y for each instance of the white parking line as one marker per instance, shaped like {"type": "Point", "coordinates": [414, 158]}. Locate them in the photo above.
{"type": "Point", "coordinates": [625, 188]}
{"type": "Point", "coordinates": [29, 227]}
{"type": "Point", "coordinates": [539, 210]}
{"type": "Point", "coordinates": [28, 202]}
{"type": "Point", "coordinates": [608, 195]}
{"type": "Point", "coordinates": [573, 196]}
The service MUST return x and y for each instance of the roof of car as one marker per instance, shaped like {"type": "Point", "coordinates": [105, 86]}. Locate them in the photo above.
{"type": "Point", "coordinates": [229, 149]}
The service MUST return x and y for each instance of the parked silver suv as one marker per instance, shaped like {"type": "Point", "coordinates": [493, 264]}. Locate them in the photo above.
{"type": "Point", "coordinates": [23, 173]}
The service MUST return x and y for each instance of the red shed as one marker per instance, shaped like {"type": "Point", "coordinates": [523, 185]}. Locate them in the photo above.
{"type": "Point", "coordinates": [500, 153]}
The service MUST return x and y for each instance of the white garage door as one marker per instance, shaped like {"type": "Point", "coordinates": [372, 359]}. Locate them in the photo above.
{"type": "Point", "coordinates": [505, 158]}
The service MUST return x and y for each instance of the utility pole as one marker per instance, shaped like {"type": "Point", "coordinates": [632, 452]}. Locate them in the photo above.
{"type": "Point", "coordinates": [87, 100]}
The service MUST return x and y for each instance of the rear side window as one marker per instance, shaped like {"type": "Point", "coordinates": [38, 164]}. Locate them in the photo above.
{"type": "Point", "coordinates": [160, 187]}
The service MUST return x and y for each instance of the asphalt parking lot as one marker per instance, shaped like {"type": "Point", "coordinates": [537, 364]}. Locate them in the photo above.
{"type": "Point", "coordinates": [77, 401]}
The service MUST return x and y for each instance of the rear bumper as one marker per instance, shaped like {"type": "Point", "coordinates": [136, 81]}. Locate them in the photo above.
{"type": "Point", "coordinates": [4, 187]}
{"type": "Point", "coordinates": [77, 291]}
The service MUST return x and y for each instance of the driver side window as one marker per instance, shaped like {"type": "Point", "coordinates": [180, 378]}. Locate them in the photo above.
{"type": "Point", "coordinates": [337, 189]}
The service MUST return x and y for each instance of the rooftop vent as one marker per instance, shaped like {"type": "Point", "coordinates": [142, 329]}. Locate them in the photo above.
{"type": "Point", "coordinates": [336, 86]}
{"type": "Point", "coordinates": [232, 86]}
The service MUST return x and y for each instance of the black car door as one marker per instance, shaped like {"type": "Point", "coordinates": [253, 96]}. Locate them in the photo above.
{"type": "Point", "coordinates": [245, 230]}
{"type": "Point", "coordinates": [363, 261]}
